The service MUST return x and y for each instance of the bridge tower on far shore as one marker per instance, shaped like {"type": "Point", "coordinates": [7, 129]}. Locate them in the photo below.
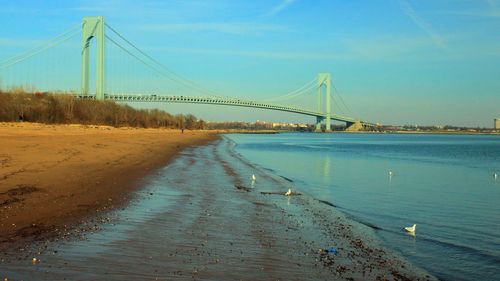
{"type": "Point", "coordinates": [324, 80]}
{"type": "Point", "coordinates": [93, 27]}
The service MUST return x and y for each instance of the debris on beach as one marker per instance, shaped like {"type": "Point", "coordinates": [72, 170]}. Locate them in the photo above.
{"type": "Point", "coordinates": [331, 250]}
{"type": "Point", "coordinates": [326, 258]}
{"type": "Point", "coordinates": [270, 193]}
{"type": "Point", "coordinates": [241, 187]}
{"type": "Point", "coordinates": [292, 193]}
{"type": "Point", "coordinates": [327, 203]}
{"type": "Point", "coordinates": [280, 193]}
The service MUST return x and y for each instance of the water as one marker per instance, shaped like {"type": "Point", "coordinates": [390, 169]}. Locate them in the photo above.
{"type": "Point", "coordinates": [442, 183]}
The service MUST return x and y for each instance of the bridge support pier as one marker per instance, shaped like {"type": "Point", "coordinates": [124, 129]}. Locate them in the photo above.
{"type": "Point", "coordinates": [353, 126]}
{"type": "Point", "coordinates": [93, 27]}
{"type": "Point", "coordinates": [324, 79]}
{"type": "Point", "coordinates": [318, 124]}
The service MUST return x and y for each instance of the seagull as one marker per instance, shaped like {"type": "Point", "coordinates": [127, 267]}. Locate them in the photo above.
{"type": "Point", "coordinates": [495, 175]}
{"type": "Point", "coordinates": [253, 178]}
{"type": "Point", "coordinates": [289, 192]}
{"type": "Point", "coordinates": [391, 174]}
{"type": "Point", "coordinates": [411, 229]}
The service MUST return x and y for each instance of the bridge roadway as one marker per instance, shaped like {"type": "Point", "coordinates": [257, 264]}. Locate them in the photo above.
{"type": "Point", "coordinates": [222, 101]}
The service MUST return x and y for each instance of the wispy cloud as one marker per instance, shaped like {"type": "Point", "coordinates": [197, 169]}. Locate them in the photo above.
{"type": "Point", "coordinates": [277, 55]}
{"type": "Point", "coordinates": [492, 3]}
{"type": "Point", "coordinates": [422, 23]}
{"type": "Point", "coordinates": [476, 13]}
{"type": "Point", "coordinates": [278, 8]}
{"type": "Point", "coordinates": [387, 48]}
{"type": "Point", "coordinates": [232, 28]}
{"type": "Point", "coordinates": [131, 10]}
{"type": "Point", "coordinates": [490, 10]}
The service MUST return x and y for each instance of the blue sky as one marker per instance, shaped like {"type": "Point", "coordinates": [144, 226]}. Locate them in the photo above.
{"type": "Point", "coordinates": [393, 61]}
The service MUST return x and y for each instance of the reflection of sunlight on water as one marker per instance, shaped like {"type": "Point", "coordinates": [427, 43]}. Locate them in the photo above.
{"type": "Point", "coordinates": [323, 167]}
{"type": "Point", "coordinates": [411, 234]}
{"type": "Point", "coordinates": [326, 167]}
{"type": "Point", "coordinates": [411, 245]}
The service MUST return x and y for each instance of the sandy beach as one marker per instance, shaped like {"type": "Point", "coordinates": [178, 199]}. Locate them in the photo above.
{"type": "Point", "coordinates": [55, 175]}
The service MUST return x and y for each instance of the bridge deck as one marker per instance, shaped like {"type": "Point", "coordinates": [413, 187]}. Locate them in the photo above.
{"type": "Point", "coordinates": [220, 101]}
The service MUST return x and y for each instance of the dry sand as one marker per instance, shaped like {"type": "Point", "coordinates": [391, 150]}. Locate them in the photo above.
{"type": "Point", "coordinates": [55, 175]}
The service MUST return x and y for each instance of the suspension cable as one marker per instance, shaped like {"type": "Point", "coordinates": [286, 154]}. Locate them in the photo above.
{"type": "Point", "coordinates": [32, 52]}
{"type": "Point", "coordinates": [155, 68]}
{"type": "Point", "coordinates": [304, 92]}
{"type": "Point", "coordinates": [342, 101]}
{"type": "Point", "coordinates": [304, 88]}
{"type": "Point", "coordinates": [337, 105]}
{"type": "Point", "coordinates": [178, 78]}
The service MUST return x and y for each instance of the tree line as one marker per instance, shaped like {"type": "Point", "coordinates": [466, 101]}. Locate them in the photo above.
{"type": "Point", "coordinates": [61, 108]}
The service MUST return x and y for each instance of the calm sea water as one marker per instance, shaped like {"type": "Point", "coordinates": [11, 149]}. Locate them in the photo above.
{"type": "Point", "coordinates": [442, 183]}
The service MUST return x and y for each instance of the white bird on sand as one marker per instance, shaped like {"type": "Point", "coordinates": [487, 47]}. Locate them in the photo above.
{"type": "Point", "coordinates": [411, 229]}
{"type": "Point", "coordinates": [289, 192]}
{"type": "Point", "coordinates": [253, 178]}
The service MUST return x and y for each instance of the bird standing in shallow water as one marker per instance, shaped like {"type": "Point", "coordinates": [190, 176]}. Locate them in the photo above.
{"type": "Point", "coordinates": [253, 178]}
{"type": "Point", "coordinates": [495, 175]}
{"type": "Point", "coordinates": [411, 229]}
{"type": "Point", "coordinates": [289, 192]}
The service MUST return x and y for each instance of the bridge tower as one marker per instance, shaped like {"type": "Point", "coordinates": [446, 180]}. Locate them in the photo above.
{"type": "Point", "coordinates": [93, 27]}
{"type": "Point", "coordinates": [324, 80]}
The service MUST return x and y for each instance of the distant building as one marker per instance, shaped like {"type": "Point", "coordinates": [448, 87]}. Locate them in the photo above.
{"type": "Point", "coordinates": [497, 124]}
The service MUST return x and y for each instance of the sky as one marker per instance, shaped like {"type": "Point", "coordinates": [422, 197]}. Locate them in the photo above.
{"type": "Point", "coordinates": [392, 61]}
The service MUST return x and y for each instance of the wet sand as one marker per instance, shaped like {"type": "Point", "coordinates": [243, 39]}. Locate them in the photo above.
{"type": "Point", "coordinates": [202, 218]}
{"type": "Point", "coordinates": [52, 176]}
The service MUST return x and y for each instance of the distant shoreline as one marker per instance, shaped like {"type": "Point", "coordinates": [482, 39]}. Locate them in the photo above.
{"type": "Point", "coordinates": [243, 131]}
{"type": "Point", "coordinates": [425, 132]}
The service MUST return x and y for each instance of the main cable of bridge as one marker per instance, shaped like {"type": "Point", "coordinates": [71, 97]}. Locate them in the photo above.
{"type": "Point", "coordinates": [349, 111]}
{"type": "Point", "coordinates": [160, 68]}
{"type": "Point", "coordinates": [297, 92]}
{"type": "Point", "coordinates": [70, 33]}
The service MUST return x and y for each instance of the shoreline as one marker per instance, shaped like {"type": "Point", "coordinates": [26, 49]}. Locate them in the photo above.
{"type": "Point", "coordinates": [220, 131]}
{"type": "Point", "coordinates": [54, 176]}
{"type": "Point", "coordinates": [306, 226]}
{"type": "Point", "coordinates": [251, 233]}
{"type": "Point", "coordinates": [360, 254]}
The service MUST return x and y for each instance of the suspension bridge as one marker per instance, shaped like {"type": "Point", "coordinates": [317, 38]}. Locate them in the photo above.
{"type": "Point", "coordinates": [141, 78]}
